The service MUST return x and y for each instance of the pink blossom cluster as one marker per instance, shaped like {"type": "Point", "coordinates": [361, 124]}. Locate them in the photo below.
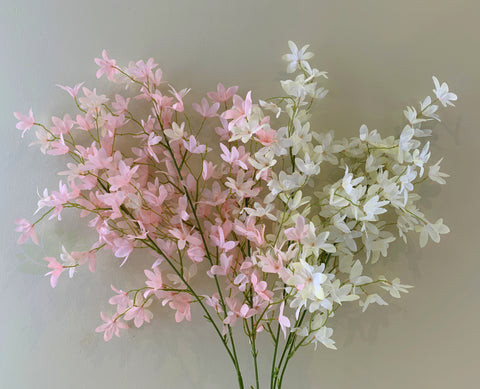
{"type": "Point", "coordinates": [167, 192]}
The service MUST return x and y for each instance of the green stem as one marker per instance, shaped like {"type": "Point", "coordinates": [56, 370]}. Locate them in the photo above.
{"type": "Point", "coordinates": [151, 243]}
{"type": "Point", "coordinates": [255, 353]}
{"type": "Point", "coordinates": [288, 346]}
{"type": "Point", "coordinates": [274, 372]}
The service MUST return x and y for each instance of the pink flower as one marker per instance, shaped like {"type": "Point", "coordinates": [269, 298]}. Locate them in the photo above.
{"type": "Point", "coordinates": [224, 267]}
{"type": "Point", "coordinates": [154, 199]}
{"type": "Point", "coordinates": [58, 199]}
{"type": "Point", "coordinates": [299, 232]}
{"type": "Point", "coordinates": [142, 71]}
{"type": "Point", "coordinates": [112, 123]}
{"type": "Point", "coordinates": [91, 102]}
{"type": "Point", "coordinates": [55, 273]}
{"type": "Point", "coordinates": [241, 109]}
{"type": "Point", "coordinates": [205, 110]}
{"type": "Point", "coordinates": [272, 266]}
{"type": "Point", "coordinates": [121, 300]}
{"type": "Point", "coordinates": [154, 280]}
{"type": "Point", "coordinates": [250, 230]}
{"type": "Point", "coordinates": [153, 140]}
{"type": "Point", "coordinates": [193, 147]}
{"type": "Point", "coordinates": [122, 247]}
{"type": "Point", "coordinates": [25, 122]}
{"type": "Point", "coordinates": [178, 106]}
{"type": "Point", "coordinates": [120, 105]}
{"type": "Point", "coordinates": [222, 95]}
{"type": "Point", "coordinates": [182, 208]}
{"type": "Point", "coordinates": [58, 147]}
{"type": "Point", "coordinates": [72, 91]}
{"type": "Point", "coordinates": [111, 326]}
{"type": "Point", "coordinates": [265, 136]}
{"type": "Point", "coordinates": [234, 304]}
{"type": "Point", "coordinates": [223, 132]}
{"type": "Point", "coordinates": [27, 231]}
{"type": "Point", "coordinates": [123, 178]}
{"type": "Point", "coordinates": [114, 201]}
{"type": "Point", "coordinates": [181, 303]}
{"type": "Point", "coordinates": [156, 79]}
{"type": "Point", "coordinates": [196, 253]}
{"type": "Point", "coordinates": [234, 156]}
{"type": "Point", "coordinates": [218, 238]}
{"type": "Point", "coordinates": [107, 66]}
{"type": "Point", "coordinates": [181, 236]}
{"type": "Point", "coordinates": [242, 188]}
{"type": "Point", "coordinates": [86, 256]}
{"type": "Point", "coordinates": [214, 302]}
{"type": "Point", "coordinates": [283, 320]}
{"type": "Point", "coordinates": [84, 123]}
{"type": "Point", "coordinates": [139, 314]}
{"type": "Point", "coordinates": [96, 159]}
{"type": "Point", "coordinates": [260, 287]}
{"type": "Point", "coordinates": [62, 126]}
{"type": "Point", "coordinates": [246, 311]}
{"type": "Point", "coordinates": [208, 170]}
{"type": "Point", "coordinates": [215, 196]}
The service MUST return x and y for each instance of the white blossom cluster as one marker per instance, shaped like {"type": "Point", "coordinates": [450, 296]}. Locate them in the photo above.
{"type": "Point", "coordinates": [324, 239]}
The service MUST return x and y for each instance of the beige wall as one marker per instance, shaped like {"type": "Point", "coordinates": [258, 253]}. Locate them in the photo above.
{"type": "Point", "coordinates": [380, 56]}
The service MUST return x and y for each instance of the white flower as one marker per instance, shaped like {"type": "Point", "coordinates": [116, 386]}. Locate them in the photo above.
{"type": "Point", "coordinates": [297, 201]}
{"type": "Point", "coordinates": [431, 230]}
{"type": "Point", "coordinates": [373, 207]}
{"type": "Point", "coordinates": [271, 107]}
{"type": "Point", "coordinates": [412, 116]}
{"type": "Point", "coordinates": [308, 281]}
{"type": "Point", "coordinates": [301, 136]}
{"type": "Point", "coordinates": [338, 221]}
{"type": "Point", "coordinates": [372, 298]}
{"type": "Point", "coordinates": [313, 73]}
{"type": "Point", "coordinates": [394, 287]}
{"type": "Point", "coordinates": [356, 277]}
{"type": "Point", "coordinates": [320, 93]}
{"type": "Point", "coordinates": [372, 137]}
{"type": "Point", "coordinates": [435, 174]}
{"type": "Point", "coordinates": [262, 162]}
{"type": "Point", "coordinates": [420, 158]}
{"type": "Point", "coordinates": [406, 182]}
{"type": "Point", "coordinates": [306, 166]}
{"type": "Point", "coordinates": [285, 182]}
{"type": "Point", "coordinates": [297, 57]}
{"type": "Point", "coordinates": [298, 88]}
{"type": "Point", "coordinates": [442, 93]}
{"type": "Point", "coordinates": [340, 294]}
{"type": "Point", "coordinates": [348, 182]}
{"type": "Point", "coordinates": [245, 130]}
{"type": "Point", "coordinates": [315, 243]}
{"type": "Point", "coordinates": [323, 336]}
{"type": "Point", "coordinates": [406, 143]}
{"type": "Point", "coordinates": [377, 244]}
{"type": "Point", "coordinates": [428, 109]}
{"type": "Point", "coordinates": [260, 211]}
{"type": "Point", "coordinates": [327, 148]}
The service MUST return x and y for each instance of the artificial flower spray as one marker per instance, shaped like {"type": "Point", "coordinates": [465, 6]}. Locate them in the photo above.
{"type": "Point", "coordinates": [281, 223]}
